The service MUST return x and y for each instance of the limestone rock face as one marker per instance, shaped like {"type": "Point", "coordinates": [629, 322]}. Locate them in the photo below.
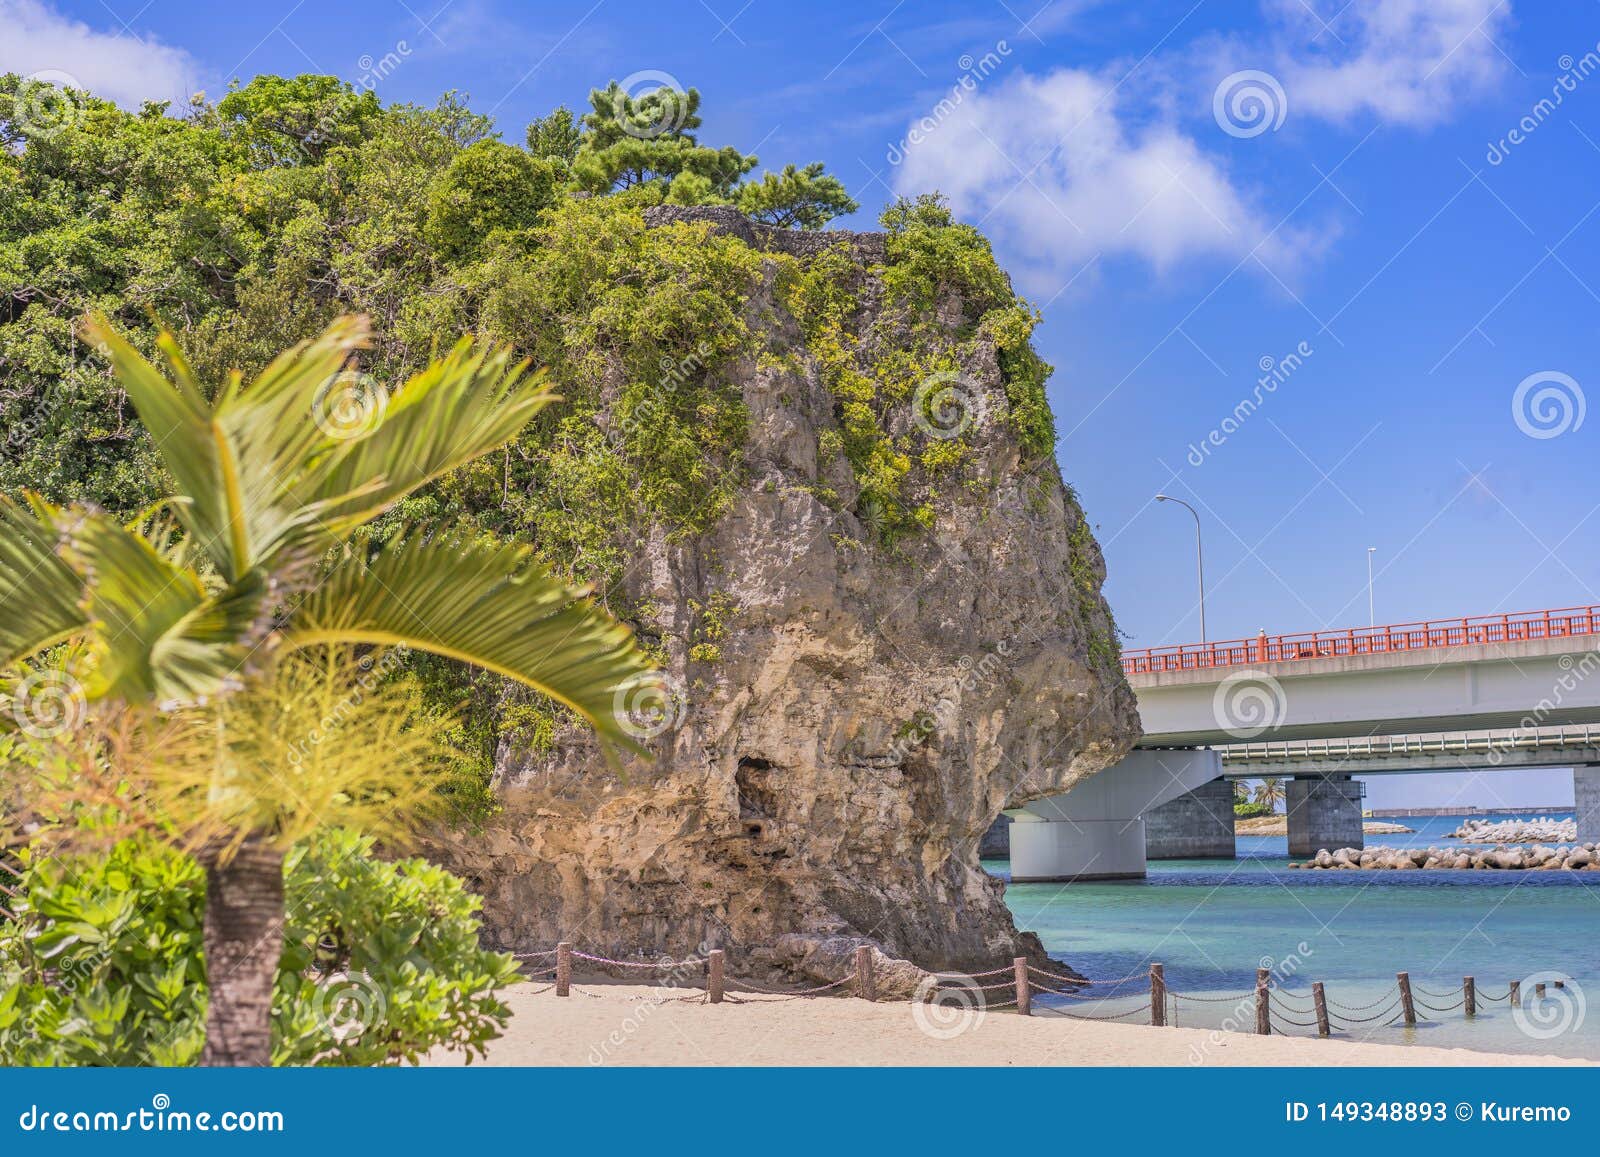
{"type": "Point", "coordinates": [825, 780]}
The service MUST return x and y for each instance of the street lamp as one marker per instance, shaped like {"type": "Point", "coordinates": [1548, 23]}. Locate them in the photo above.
{"type": "Point", "coordinates": [1371, 620]}
{"type": "Point", "coordinates": [1199, 558]}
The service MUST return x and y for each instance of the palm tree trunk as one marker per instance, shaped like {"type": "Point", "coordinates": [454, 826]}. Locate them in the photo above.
{"type": "Point", "coordinates": [243, 941]}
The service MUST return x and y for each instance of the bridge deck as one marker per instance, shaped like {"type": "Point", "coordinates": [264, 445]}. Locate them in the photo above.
{"type": "Point", "coordinates": [1523, 626]}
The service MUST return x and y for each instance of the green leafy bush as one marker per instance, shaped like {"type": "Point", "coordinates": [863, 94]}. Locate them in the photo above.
{"type": "Point", "coordinates": [381, 961]}
{"type": "Point", "coordinates": [1249, 811]}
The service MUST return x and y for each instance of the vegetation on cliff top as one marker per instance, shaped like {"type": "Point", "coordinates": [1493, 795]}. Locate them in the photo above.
{"type": "Point", "coordinates": [247, 224]}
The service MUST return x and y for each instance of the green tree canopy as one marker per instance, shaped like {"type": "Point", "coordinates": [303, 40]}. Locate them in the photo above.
{"type": "Point", "coordinates": [649, 139]}
{"type": "Point", "coordinates": [488, 186]}
{"type": "Point", "coordinates": [795, 198]}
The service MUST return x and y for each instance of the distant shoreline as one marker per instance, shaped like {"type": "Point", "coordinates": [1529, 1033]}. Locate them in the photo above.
{"type": "Point", "coordinates": [1278, 825]}
{"type": "Point", "coordinates": [1471, 811]}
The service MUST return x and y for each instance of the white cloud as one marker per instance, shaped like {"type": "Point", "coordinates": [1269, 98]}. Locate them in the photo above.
{"type": "Point", "coordinates": [35, 38]}
{"type": "Point", "coordinates": [1408, 62]}
{"type": "Point", "coordinates": [1054, 170]}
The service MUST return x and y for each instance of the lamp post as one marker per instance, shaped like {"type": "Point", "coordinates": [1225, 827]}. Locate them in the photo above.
{"type": "Point", "coordinates": [1371, 619]}
{"type": "Point", "coordinates": [1199, 558]}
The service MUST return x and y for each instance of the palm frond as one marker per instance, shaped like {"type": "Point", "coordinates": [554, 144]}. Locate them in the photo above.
{"type": "Point", "coordinates": [39, 593]}
{"type": "Point", "coordinates": [158, 633]}
{"type": "Point", "coordinates": [484, 603]}
{"type": "Point", "coordinates": [460, 408]}
{"type": "Point", "coordinates": [236, 460]}
{"type": "Point", "coordinates": [131, 593]}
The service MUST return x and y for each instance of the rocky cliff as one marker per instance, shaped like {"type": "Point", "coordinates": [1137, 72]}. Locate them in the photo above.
{"type": "Point", "coordinates": [854, 686]}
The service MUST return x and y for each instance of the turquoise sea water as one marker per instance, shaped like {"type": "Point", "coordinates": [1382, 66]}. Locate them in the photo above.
{"type": "Point", "coordinates": [1212, 922]}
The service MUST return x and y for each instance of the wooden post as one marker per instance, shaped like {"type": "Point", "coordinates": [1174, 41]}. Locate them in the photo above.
{"type": "Point", "coordinates": [866, 987]}
{"type": "Point", "coordinates": [1469, 994]}
{"type": "Point", "coordinates": [1263, 1009]}
{"type": "Point", "coordinates": [1158, 995]}
{"type": "Point", "coordinates": [1409, 1009]}
{"type": "Point", "coordinates": [1019, 968]}
{"type": "Point", "coordinates": [714, 976]}
{"type": "Point", "coordinates": [1516, 994]}
{"type": "Point", "coordinates": [1320, 999]}
{"type": "Point", "coordinates": [563, 968]}
{"type": "Point", "coordinates": [1559, 983]}
{"type": "Point", "coordinates": [1538, 990]}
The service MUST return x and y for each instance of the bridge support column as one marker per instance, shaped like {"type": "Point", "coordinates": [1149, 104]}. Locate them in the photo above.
{"type": "Point", "coordinates": [1076, 850]}
{"type": "Point", "coordinates": [1586, 802]}
{"type": "Point", "coordinates": [1095, 831]}
{"type": "Point", "coordinates": [1324, 812]}
{"type": "Point", "coordinates": [1195, 826]}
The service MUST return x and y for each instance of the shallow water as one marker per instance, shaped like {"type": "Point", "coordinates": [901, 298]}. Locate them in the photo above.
{"type": "Point", "coordinates": [1212, 922]}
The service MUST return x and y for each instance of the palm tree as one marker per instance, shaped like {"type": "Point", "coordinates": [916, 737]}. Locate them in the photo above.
{"type": "Point", "coordinates": [1270, 793]}
{"type": "Point", "coordinates": [273, 481]}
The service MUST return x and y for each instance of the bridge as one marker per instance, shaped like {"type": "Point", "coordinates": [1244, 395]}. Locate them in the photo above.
{"type": "Point", "coordinates": [1510, 690]}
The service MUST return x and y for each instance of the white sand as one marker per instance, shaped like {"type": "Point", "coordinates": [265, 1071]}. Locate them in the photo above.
{"type": "Point", "coordinates": [629, 1025]}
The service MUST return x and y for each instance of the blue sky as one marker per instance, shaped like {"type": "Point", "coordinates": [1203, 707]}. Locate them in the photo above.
{"type": "Point", "coordinates": [1173, 240]}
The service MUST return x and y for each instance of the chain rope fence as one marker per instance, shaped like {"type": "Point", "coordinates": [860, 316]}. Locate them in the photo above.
{"type": "Point", "coordinates": [1276, 1009]}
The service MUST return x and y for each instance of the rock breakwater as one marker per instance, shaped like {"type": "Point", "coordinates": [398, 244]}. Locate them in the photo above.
{"type": "Point", "coordinates": [1530, 831]}
{"type": "Point", "coordinates": [1540, 857]}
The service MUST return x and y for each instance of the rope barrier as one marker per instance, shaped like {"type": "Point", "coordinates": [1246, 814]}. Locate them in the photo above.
{"type": "Point", "coordinates": [949, 985]}
{"type": "Point", "coordinates": [1119, 980]}
{"type": "Point", "coordinates": [1285, 1008]}
{"type": "Point", "coordinates": [1363, 1019]}
{"type": "Point", "coordinates": [1213, 999]}
{"type": "Point", "coordinates": [1140, 1009]}
{"type": "Point", "coordinates": [657, 965]}
{"type": "Point", "coordinates": [1435, 995]}
{"type": "Point", "coordinates": [756, 988]}
{"type": "Point", "coordinates": [1386, 997]}
{"type": "Point", "coordinates": [1064, 993]}
{"type": "Point", "coordinates": [1395, 1016]}
{"type": "Point", "coordinates": [1281, 997]}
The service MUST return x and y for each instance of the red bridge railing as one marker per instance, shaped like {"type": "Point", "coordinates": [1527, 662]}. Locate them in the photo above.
{"type": "Point", "coordinates": [1265, 648]}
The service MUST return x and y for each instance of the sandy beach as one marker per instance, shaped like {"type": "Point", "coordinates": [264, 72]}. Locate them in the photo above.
{"type": "Point", "coordinates": [606, 1024]}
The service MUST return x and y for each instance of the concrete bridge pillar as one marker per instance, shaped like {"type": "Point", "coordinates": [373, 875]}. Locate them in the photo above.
{"type": "Point", "coordinates": [1196, 826]}
{"type": "Point", "coordinates": [1586, 802]}
{"type": "Point", "coordinates": [1324, 812]}
{"type": "Point", "coordinates": [1076, 850]}
{"type": "Point", "coordinates": [1095, 831]}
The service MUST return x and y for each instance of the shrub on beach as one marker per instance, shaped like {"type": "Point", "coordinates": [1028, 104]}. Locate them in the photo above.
{"type": "Point", "coordinates": [381, 962]}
